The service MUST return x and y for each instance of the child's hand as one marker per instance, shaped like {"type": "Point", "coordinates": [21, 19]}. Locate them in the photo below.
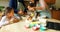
{"type": "Point", "coordinates": [15, 20]}
{"type": "Point", "coordinates": [31, 9]}
{"type": "Point", "coordinates": [29, 18]}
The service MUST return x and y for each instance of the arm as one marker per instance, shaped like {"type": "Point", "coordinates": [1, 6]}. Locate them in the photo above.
{"type": "Point", "coordinates": [43, 5]}
{"type": "Point", "coordinates": [30, 8]}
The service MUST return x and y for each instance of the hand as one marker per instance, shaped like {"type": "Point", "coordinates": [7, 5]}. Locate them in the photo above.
{"type": "Point", "coordinates": [20, 12]}
{"type": "Point", "coordinates": [31, 9]}
{"type": "Point", "coordinates": [15, 20]}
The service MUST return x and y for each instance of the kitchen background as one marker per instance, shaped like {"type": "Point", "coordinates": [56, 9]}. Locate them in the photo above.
{"type": "Point", "coordinates": [55, 12]}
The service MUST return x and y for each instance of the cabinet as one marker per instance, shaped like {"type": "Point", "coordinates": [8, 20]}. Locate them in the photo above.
{"type": "Point", "coordinates": [55, 14]}
{"type": "Point", "coordinates": [50, 1]}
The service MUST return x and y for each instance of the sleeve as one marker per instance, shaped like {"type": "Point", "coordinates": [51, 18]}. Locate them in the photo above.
{"type": "Point", "coordinates": [2, 22]}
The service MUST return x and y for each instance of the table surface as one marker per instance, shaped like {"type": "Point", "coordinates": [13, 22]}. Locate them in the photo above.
{"type": "Point", "coordinates": [19, 27]}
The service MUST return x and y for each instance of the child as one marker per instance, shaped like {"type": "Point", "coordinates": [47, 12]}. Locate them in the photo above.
{"type": "Point", "coordinates": [9, 13]}
{"type": "Point", "coordinates": [28, 21]}
{"type": "Point", "coordinates": [31, 5]}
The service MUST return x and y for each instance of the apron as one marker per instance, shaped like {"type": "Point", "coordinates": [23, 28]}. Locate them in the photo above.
{"type": "Point", "coordinates": [43, 12]}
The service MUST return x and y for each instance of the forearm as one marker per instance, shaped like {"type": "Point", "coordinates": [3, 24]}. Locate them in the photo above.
{"type": "Point", "coordinates": [38, 8]}
{"type": "Point", "coordinates": [31, 8]}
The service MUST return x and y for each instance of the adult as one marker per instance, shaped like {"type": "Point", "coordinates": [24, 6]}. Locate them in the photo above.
{"type": "Point", "coordinates": [41, 8]}
{"type": "Point", "coordinates": [14, 4]}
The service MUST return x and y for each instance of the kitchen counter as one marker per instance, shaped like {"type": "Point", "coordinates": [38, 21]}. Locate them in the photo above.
{"type": "Point", "coordinates": [53, 20]}
{"type": "Point", "coordinates": [19, 27]}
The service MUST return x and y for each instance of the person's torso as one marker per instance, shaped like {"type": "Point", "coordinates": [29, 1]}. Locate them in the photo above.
{"type": "Point", "coordinates": [39, 5]}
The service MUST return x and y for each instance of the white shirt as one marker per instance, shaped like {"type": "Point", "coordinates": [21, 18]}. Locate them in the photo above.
{"type": "Point", "coordinates": [4, 21]}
